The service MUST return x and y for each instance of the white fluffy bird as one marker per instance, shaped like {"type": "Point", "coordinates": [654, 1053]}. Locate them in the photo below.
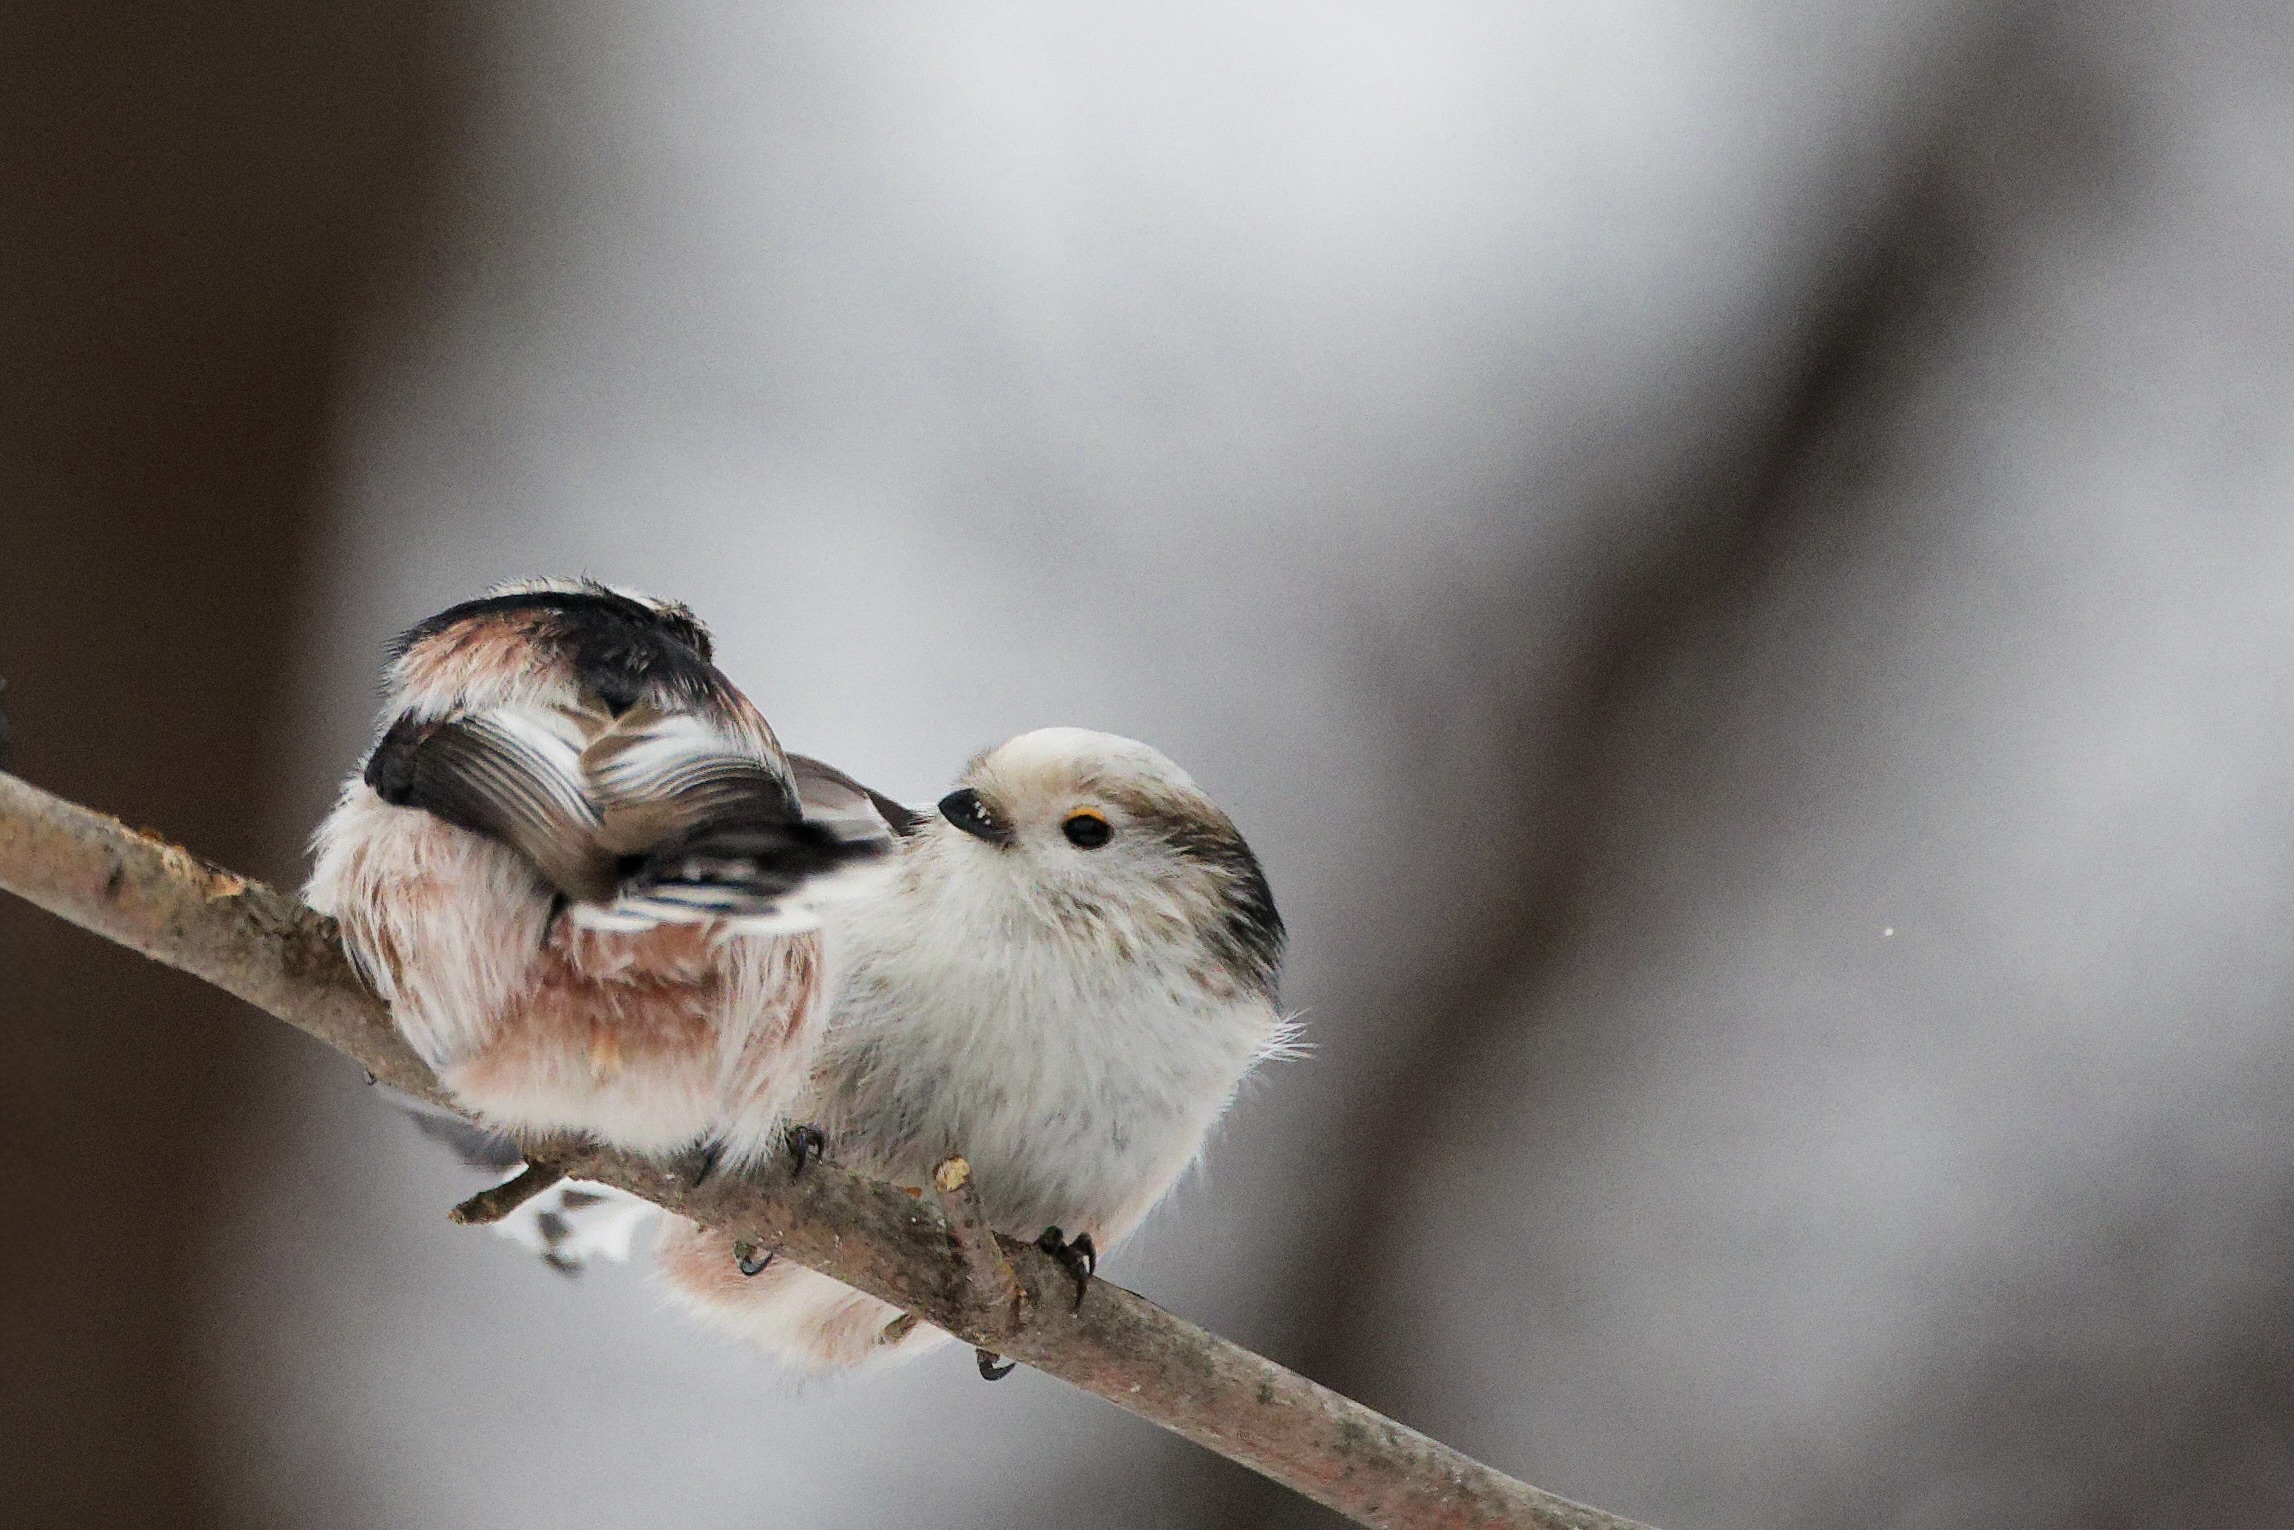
{"type": "Point", "coordinates": [1067, 973]}
{"type": "Point", "coordinates": [576, 865]}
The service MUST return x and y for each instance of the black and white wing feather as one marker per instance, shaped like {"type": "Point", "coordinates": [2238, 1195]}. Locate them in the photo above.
{"type": "Point", "coordinates": [647, 816]}
{"type": "Point", "coordinates": [830, 796]}
{"type": "Point", "coordinates": [510, 774]}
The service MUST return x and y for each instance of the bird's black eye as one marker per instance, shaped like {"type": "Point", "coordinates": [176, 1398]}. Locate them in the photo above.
{"type": "Point", "coordinates": [1085, 829]}
{"type": "Point", "coordinates": [966, 811]}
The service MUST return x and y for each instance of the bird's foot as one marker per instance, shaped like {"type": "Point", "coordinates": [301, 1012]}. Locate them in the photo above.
{"type": "Point", "coordinates": [751, 1260]}
{"type": "Point", "coordinates": [1080, 1259]}
{"type": "Point", "coordinates": [696, 1164]}
{"type": "Point", "coordinates": [994, 1367]}
{"type": "Point", "coordinates": [806, 1146]}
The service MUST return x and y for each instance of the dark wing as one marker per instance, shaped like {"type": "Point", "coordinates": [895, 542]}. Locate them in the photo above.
{"type": "Point", "coordinates": [513, 776]}
{"type": "Point", "coordinates": [738, 871]}
{"type": "Point", "coordinates": [472, 1143]}
{"type": "Point", "coordinates": [831, 796]}
{"type": "Point", "coordinates": [650, 815]}
{"type": "Point", "coordinates": [742, 865]}
{"type": "Point", "coordinates": [710, 831]}
{"type": "Point", "coordinates": [660, 778]}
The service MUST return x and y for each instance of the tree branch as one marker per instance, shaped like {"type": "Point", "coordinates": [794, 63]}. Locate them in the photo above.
{"type": "Point", "coordinates": [267, 948]}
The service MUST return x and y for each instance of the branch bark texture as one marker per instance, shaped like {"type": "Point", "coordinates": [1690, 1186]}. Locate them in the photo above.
{"type": "Point", "coordinates": [268, 949]}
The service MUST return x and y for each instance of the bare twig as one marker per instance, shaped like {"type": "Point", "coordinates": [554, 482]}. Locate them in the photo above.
{"type": "Point", "coordinates": [994, 1287]}
{"type": "Point", "coordinates": [493, 1205]}
{"type": "Point", "coordinates": [266, 948]}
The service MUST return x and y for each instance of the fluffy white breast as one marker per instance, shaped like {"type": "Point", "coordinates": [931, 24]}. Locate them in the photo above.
{"type": "Point", "coordinates": [1075, 1048]}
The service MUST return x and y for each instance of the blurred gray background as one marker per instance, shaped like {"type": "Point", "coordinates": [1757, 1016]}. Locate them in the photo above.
{"type": "Point", "coordinates": [1732, 559]}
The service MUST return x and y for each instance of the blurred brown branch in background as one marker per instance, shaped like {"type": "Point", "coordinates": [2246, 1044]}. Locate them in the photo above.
{"type": "Point", "coordinates": [268, 949]}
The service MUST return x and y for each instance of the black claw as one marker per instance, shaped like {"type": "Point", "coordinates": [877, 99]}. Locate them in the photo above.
{"type": "Point", "coordinates": [1080, 1259]}
{"type": "Point", "coordinates": [806, 1144]}
{"type": "Point", "coordinates": [990, 1369]}
{"type": "Point", "coordinates": [700, 1163]}
{"type": "Point", "coordinates": [748, 1261]}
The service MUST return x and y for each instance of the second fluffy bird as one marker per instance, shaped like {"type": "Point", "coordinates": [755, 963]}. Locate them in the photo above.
{"type": "Point", "coordinates": [1064, 978]}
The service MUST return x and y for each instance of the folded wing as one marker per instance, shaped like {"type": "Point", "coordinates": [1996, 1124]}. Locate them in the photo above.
{"type": "Point", "coordinates": [830, 796]}
{"type": "Point", "coordinates": [511, 775]}
{"type": "Point", "coordinates": [650, 816]}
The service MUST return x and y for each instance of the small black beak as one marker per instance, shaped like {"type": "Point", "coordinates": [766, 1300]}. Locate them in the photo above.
{"type": "Point", "coordinates": [966, 811]}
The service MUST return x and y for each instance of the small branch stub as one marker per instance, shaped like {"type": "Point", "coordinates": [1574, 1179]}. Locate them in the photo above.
{"type": "Point", "coordinates": [994, 1285]}
{"type": "Point", "coordinates": [489, 1206]}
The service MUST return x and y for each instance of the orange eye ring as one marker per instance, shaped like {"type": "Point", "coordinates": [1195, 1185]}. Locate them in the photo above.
{"type": "Point", "coordinates": [1087, 828]}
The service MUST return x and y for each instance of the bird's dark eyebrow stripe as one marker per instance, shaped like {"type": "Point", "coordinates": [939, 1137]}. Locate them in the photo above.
{"type": "Point", "coordinates": [1250, 937]}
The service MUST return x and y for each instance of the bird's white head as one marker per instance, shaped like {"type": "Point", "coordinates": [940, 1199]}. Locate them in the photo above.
{"type": "Point", "coordinates": [1106, 841]}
